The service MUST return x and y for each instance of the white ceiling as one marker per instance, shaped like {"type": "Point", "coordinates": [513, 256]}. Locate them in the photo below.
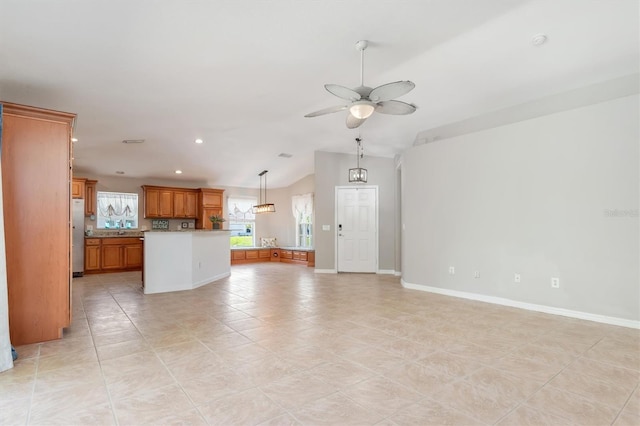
{"type": "Point", "coordinates": [242, 74]}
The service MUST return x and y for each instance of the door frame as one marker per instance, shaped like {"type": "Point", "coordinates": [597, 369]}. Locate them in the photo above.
{"type": "Point", "coordinates": [335, 223]}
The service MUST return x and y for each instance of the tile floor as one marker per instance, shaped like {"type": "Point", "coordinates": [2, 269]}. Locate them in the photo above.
{"type": "Point", "coordinates": [279, 345]}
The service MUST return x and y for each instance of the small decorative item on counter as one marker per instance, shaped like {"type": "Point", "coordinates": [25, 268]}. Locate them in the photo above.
{"type": "Point", "coordinates": [217, 220]}
{"type": "Point", "coordinates": [268, 242]}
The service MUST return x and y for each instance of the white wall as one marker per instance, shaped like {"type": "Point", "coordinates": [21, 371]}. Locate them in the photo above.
{"type": "Point", "coordinates": [332, 170]}
{"type": "Point", "coordinates": [532, 198]}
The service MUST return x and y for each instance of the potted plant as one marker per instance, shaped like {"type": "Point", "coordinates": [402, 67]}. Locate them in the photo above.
{"type": "Point", "coordinates": [217, 220]}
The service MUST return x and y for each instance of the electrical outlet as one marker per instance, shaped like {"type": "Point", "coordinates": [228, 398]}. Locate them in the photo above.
{"type": "Point", "coordinates": [452, 270]}
{"type": "Point", "coordinates": [476, 274]}
{"type": "Point", "coordinates": [516, 278]}
{"type": "Point", "coordinates": [555, 282]}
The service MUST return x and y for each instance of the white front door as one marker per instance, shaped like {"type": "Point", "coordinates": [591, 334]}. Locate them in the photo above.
{"type": "Point", "coordinates": [357, 229]}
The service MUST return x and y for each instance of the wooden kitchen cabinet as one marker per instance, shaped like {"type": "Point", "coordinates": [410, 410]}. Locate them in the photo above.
{"type": "Point", "coordinates": [113, 254]}
{"type": "Point", "coordinates": [158, 202]}
{"type": "Point", "coordinates": [185, 204]}
{"type": "Point", "coordinates": [210, 202]}
{"type": "Point", "coordinates": [90, 197]}
{"type": "Point", "coordinates": [77, 187]}
{"type": "Point", "coordinates": [91, 255]}
{"type": "Point", "coordinates": [36, 189]}
{"type": "Point", "coordinates": [251, 255]}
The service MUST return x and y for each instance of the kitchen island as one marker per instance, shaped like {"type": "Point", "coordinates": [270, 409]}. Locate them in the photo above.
{"type": "Point", "coordinates": [184, 260]}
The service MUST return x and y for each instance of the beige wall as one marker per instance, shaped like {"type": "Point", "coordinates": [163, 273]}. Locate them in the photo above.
{"type": "Point", "coordinates": [533, 198]}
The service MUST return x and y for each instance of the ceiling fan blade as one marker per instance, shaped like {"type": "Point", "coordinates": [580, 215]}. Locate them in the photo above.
{"type": "Point", "coordinates": [353, 122]}
{"type": "Point", "coordinates": [343, 92]}
{"type": "Point", "coordinates": [395, 108]}
{"type": "Point", "coordinates": [327, 110]}
{"type": "Point", "coordinates": [389, 91]}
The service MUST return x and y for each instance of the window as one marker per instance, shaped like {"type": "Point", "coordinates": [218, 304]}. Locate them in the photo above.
{"type": "Point", "coordinates": [242, 221]}
{"type": "Point", "coordinates": [117, 210]}
{"type": "Point", "coordinates": [302, 207]}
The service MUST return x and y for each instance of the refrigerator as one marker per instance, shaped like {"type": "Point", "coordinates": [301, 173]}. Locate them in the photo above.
{"type": "Point", "coordinates": [77, 237]}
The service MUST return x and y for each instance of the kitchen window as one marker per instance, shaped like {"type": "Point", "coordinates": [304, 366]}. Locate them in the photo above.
{"type": "Point", "coordinates": [117, 210]}
{"type": "Point", "coordinates": [242, 221]}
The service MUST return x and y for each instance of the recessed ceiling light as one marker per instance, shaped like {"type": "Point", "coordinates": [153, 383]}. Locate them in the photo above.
{"type": "Point", "coordinates": [74, 139]}
{"type": "Point", "coordinates": [178, 172]}
{"type": "Point", "coordinates": [539, 39]}
{"type": "Point", "coordinates": [285, 155]}
{"type": "Point", "coordinates": [133, 141]}
{"type": "Point", "coordinates": [199, 141]}
{"type": "Point", "coordinates": [119, 172]}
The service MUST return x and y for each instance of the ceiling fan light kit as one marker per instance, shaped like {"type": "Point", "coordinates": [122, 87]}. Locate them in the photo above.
{"type": "Point", "coordinates": [364, 101]}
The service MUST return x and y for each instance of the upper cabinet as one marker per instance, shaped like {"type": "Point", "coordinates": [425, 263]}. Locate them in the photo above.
{"type": "Point", "coordinates": [210, 202]}
{"type": "Point", "coordinates": [183, 203]}
{"type": "Point", "coordinates": [158, 202]}
{"type": "Point", "coordinates": [77, 187]}
{"type": "Point", "coordinates": [90, 197]}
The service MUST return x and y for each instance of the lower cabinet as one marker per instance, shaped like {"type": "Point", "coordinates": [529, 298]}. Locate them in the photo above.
{"type": "Point", "coordinates": [251, 255]}
{"type": "Point", "coordinates": [112, 254]}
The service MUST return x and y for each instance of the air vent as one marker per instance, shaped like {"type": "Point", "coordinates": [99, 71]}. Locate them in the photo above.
{"type": "Point", "coordinates": [127, 141]}
{"type": "Point", "coordinates": [285, 155]}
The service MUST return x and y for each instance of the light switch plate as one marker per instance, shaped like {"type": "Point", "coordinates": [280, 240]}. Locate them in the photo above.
{"type": "Point", "coordinates": [326, 227]}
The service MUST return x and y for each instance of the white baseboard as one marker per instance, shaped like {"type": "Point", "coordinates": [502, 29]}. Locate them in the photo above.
{"type": "Point", "coordinates": [398, 273]}
{"type": "Point", "coordinates": [325, 271]}
{"type": "Point", "coordinates": [386, 272]}
{"type": "Point", "coordinates": [523, 305]}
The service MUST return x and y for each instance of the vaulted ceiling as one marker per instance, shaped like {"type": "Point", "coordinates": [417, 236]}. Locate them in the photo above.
{"type": "Point", "coordinates": [241, 75]}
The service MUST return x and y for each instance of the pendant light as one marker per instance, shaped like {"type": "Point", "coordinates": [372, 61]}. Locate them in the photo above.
{"type": "Point", "coordinates": [264, 207]}
{"type": "Point", "coordinates": [358, 175]}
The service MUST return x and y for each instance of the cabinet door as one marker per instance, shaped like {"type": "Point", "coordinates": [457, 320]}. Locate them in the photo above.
{"type": "Point", "coordinates": [90, 198]}
{"type": "Point", "coordinates": [151, 203]}
{"type": "Point", "coordinates": [112, 257]}
{"type": "Point", "coordinates": [165, 206]}
{"type": "Point", "coordinates": [191, 205]}
{"type": "Point", "coordinates": [179, 207]}
{"type": "Point", "coordinates": [77, 188]}
{"type": "Point", "coordinates": [91, 258]}
{"type": "Point", "coordinates": [133, 256]}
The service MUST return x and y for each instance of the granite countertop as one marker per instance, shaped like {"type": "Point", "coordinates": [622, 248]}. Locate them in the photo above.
{"type": "Point", "coordinates": [115, 234]}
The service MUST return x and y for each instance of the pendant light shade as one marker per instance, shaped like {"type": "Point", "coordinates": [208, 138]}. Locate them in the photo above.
{"type": "Point", "coordinates": [358, 175]}
{"type": "Point", "coordinates": [362, 109]}
{"type": "Point", "coordinates": [263, 207]}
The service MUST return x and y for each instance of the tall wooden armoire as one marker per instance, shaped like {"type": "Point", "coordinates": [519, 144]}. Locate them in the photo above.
{"type": "Point", "coordinates": [36, 191]}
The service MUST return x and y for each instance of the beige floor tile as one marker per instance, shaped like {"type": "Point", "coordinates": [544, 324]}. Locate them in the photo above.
{"type": "Point", "coordinates": [13, 411]}
{"type": "Point", "coordinates": [28, 351]}
{"type": "Point", "coordinates": [381, 395]}
{"type": "Point", "coordinates": [249, 407]}
{"type": "Point", "coordinates": [296, 389]}
{"type": "Point", "coordinates": [111, 337]}
{"type": "Point", "coordinates": [224, 341]}
{"type": "Point", "coordinates": [68, 376]}
{"type": "Point", "coordinates": [627, 419]}
{"type": "Point", "coordinates": [139, 381]}
{"type": "Point", "coordinates": [307, 357]}
{"type": "Point", "coordinates": [78, 404]}
{"type": "Point", "coordinates": [429, 412]}
{"type": "Point", "coordinates": [341, 373]}
{"type": "Point", "coordinates": [80, 356]}
{"type": "Point", "coordinates": [520, 366]}
{"type": "Point", "coordinates": [336, 409]}
{"type": "Point", "coordinates": [502, 385]}
{"type": "Point", "coordinates": [450, 364]}
{"type": "Point", "coordinates": [66, 346]}
{"type": "Point", "coordinates": [283, 420]}
{"type": "Point", "coordinates": [175, 353]}
{"type": "Point", "coordinates": [527, 416]}
{"type": "Point", "coordinates": [593, 388]}
{"type": "Point", "coordinates": [117, 367]}
{"type": "Point", "coordinates": [204, 389]}
{"type": "Point", "coordinates": [474, 401]}
{"type": "Point", "coordinates": [196, 365]}
{"type": "Point", "coordinates": [159, 406]}
{"type": "Point", "coordinates": [374, 359]}
{"type": "Point", "coordinates": [117, 350]}
{"type": "Point", "coordinates": [265, 370]}
{"type": "Point", "coordinates": [406, 349]}
{"type": "Point", "coordinates": [572, 407]}
{"type": "Point", "coordinates": [418, 377]}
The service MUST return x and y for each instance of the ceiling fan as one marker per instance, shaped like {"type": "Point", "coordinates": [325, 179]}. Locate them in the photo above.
{"type": "Point", "coordinates": [363, 100]}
